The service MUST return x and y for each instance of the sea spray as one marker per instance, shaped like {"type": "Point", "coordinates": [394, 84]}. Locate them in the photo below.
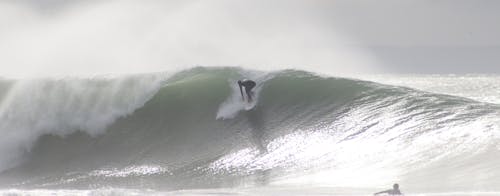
{"type": "Point", "coordinates": [36, 107]}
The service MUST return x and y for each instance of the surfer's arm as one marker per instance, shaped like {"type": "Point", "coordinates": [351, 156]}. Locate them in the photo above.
{"type": "Point", "coordinates": [387, 191]}
{"type": "Point", "coordinates": [241, 91]}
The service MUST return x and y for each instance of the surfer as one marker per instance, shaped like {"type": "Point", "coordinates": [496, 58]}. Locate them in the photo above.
{"type": "Point", "coordinates": [394, 191]}
{"type": "Point", "coordinates": [248, 84]}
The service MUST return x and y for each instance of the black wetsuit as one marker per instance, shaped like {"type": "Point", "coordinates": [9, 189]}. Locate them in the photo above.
{"type": "Point", "coordinates": [249, 85]}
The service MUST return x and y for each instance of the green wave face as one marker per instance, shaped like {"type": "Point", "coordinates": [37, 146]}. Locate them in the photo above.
{"type": "Point", "coordinates": [191, 130]}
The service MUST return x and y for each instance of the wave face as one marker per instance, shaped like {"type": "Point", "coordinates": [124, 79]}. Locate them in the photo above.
{"type": "Point", "coordinates": [191, 130]}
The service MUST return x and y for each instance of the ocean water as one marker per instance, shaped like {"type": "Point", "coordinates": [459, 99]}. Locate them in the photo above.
{"type": "Point", "coordinates": [189, 133]}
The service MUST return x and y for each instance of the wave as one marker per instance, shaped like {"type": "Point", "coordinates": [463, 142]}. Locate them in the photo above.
{"type": "Point", "coordinates": [32, 108]}
{"type": "Point", "coordinates": [190, 130]}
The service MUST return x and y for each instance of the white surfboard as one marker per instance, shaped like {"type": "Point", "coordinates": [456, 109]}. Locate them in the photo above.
{"type": "Point", "coordinates": [249, 106]}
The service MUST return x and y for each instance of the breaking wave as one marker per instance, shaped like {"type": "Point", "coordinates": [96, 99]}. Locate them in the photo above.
{"type": "Point", "coordinates": [191, 130]}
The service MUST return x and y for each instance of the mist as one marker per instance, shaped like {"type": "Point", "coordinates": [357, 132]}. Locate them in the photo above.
{"type": "Point", "coordinates": [42, 38]}
{"type": "Point", "coordinates": [57, 37]}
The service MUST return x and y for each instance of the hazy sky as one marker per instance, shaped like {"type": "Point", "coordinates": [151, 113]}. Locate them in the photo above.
{"type": "Point", "coordinates": [95, 37]}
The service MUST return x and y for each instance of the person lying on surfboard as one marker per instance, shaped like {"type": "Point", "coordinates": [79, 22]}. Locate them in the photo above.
{"type": "Point", "coordinates": [248, 84]}
{"type": "Point", "coordinates": [394, 191]}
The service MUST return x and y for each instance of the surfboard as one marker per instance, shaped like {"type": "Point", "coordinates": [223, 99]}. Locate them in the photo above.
{"type": "Point", "coordinates": [249, 106]}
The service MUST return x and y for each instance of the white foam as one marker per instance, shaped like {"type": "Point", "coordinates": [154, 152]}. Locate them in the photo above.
{"type": "Point", "coordinates": [89, 192]}
{"type": "Point", "coordinates": [134, 170]}
{"type": "Point", "coordinates": [63, 106]}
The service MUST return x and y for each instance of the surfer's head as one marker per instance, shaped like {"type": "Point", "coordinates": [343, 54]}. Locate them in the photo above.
{"type": "Point", "coordinates": [239, 82]}
{"type": "Point", "coordinates": [395, 186]}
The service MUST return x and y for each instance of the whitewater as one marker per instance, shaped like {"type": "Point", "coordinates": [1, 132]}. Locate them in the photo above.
{"type": "Point", "coordinates": [189, 133]}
